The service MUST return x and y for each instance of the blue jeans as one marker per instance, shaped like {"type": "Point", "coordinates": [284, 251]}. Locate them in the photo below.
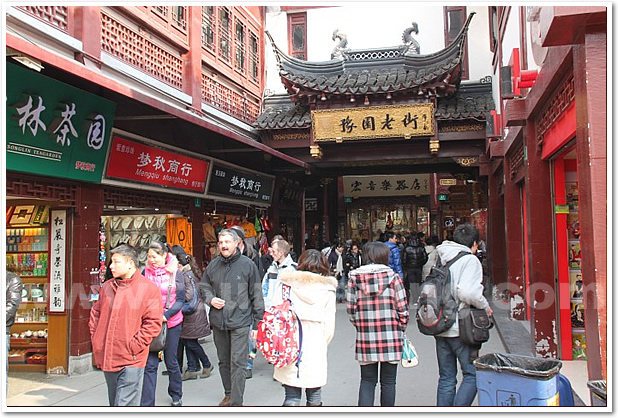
{"type": "Point", "coordinates": [170, 356]}
{"type": "Point", "coordinates": [252, 348]}
{"type": "Point", "coordinates": [293, 395]}
{"type": "Point", "coordinates": [449, 351]}
{"type": "Point", "coordinates": [369, 379]}
{"type": "Point", "coordinates": [195, 355]}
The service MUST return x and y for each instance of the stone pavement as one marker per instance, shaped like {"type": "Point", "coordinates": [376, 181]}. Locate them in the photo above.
{"type": "Point", "coordinates": [416, 387]}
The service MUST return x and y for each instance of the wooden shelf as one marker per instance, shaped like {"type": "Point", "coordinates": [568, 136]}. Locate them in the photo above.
{"type": "Point", "coordinates": [27, 252]}
{"type": "Point", "coordinates": [23, 367]}
{"type": "Point", "coordinates": [37, 346]}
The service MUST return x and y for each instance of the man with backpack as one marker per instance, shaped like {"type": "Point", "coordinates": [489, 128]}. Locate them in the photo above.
{"type": "Point", "coordinates": [414, 257]}
{"type": "Point", "coordinates": [466, 276]}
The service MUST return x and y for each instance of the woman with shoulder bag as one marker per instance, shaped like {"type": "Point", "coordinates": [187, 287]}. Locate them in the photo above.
{"type": "Point", "coordinates": [162, 269]}
{"type": "Point", "coordinates": [195, 325]}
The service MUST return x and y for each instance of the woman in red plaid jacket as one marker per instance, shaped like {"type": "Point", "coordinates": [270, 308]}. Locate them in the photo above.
{"type": "Point", "coordinates": [378, 308]}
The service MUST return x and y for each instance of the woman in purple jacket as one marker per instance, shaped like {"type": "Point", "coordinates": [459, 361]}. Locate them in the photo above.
{"type": "Point", "coordinates": [378, 308]}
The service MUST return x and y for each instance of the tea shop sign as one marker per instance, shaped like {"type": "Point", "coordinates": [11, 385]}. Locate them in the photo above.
{"type": "Point", "coordinates": [55, 129]}
{"type": "Point", "coordinates": [373, 122]}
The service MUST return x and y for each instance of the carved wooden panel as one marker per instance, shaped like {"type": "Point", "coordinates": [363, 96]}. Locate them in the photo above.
{"type": "Point", "coordinates": [143, 199]}
{"type": "Point", "coordinates": [517, 161]}
{"type": "Point", "coordinates": [136, 49]}
{"type": "Point", "coordinates": [555, 107]}
{"type": "Point", "coordinates": [45, 189]}
{"type": "Point", "coordinates": [57, 16]}
{"type": "Point", "coordinates": [241, 106]}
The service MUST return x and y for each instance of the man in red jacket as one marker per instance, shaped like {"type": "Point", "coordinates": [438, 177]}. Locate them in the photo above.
{"type": "Point", "coordinates": [123, 322]}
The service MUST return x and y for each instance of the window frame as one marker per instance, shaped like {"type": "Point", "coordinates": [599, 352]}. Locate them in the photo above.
{"type": "Point", "coordinates": [465, 68]}
{"type": "Point", "coordinates": [298, 19]}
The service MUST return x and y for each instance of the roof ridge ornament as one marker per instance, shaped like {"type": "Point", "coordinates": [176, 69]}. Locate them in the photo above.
{"type": "Point", "coordinates": [340, 47]}
{"type": "Point", "coordinates": [412, 46]}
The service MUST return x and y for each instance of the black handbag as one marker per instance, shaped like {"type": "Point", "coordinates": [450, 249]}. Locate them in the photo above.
{"type": "Point", "coordinates": [474, 325]}
{"type": "Point", "coordinates": [158, 343]}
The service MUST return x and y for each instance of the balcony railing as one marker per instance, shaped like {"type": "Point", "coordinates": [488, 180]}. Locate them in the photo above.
{"type": "Point", "coordinates": [126, 37]}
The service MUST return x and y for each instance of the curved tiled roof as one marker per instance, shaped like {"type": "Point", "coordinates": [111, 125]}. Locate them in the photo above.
{"type": "Point", "coordinates": [472, 101]}
{"type": "Point", "coordinates": [376, 71]}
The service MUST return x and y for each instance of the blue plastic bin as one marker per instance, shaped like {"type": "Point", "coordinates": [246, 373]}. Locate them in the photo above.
{"type": "Point", "coordinates": [514, 380]}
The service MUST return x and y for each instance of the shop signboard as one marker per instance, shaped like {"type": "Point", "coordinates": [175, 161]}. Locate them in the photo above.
{"type": "Point", "coordinates": [232, 182]}
{"type": "Point", "coordinates": [54, 129]}
{"type": "Point", "coordinates": [57, 262]}
{"type": "Point", "coordinates": [386, 185]}
{"type": "Point", "coordinates": [402, 121]}
{"type": "Point", "coordinates": [136, 162]}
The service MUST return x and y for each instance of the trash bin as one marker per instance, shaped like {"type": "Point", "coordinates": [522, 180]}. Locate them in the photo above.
{"type": "Point", "coordinates": [515, 380]}
{"type": "Point", "coordinates": [598, 389]}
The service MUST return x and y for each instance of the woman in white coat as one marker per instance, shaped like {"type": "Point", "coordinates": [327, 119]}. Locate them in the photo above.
{"type": "Point", "coordinates": [312, 292]}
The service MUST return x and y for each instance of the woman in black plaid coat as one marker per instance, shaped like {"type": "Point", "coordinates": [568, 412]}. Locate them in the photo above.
{"type": "Point", "coordinates": [378, 308]}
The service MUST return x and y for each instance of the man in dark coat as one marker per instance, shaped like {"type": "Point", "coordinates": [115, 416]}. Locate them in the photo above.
{"type": "Point", "coordinates": [232, 287]}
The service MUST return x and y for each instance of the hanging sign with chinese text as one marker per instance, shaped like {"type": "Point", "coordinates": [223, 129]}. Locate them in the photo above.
{"type": "Point", "coordinates": [386, 185]}
{"type": "Point", "coordinates": [55, 129]}
{"type": "Point", "coordinates": [140, 163]}
{"type": "Point", "coordinates": [373, 122]}
{"type": "Point", "coordinates": [232, 182]}
{"type": "Point", "coordinates": [57, 261]}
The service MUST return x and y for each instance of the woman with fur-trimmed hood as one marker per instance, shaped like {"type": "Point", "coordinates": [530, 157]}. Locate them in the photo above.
{"type": "Point", "coordinates": [312, 292]}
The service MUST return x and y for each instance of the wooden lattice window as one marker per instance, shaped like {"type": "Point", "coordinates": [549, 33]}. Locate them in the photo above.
{"type": "Point", "coordinates": [224, 33]}
{"type": "Point", "coordinates": [297, 35]}
{"type": "Point", "coordinates": [208, 28]}
{"type": "Point", "coordinates": [161, 10]}
{"type": "Point", "coordinates": [454, 20]}
{"type": "Point", "coordinates": [179, 16]}
{"type": "Point", "coordinates": [230, 101]}
{"type": "Point", "coordinates": [254, 56]}
{"type": "Point", "coordinates": [240, 44]}
{"type": "Point", "coordinates": [57, 16]}
{"type": "Point", "coordinates": [140, 51]}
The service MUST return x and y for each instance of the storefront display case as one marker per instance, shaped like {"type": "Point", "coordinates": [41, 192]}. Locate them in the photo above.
{"type": "Point", "coordinates": [28, 256]}
{"type": "Point", "coordinates": [136, 230]}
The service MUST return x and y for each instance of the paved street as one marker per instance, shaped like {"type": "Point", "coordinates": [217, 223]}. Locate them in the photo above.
{"type": "Point", "coordinates": [415, 387]}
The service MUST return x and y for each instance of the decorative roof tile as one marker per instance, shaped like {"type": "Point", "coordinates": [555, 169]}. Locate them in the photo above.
{"type": "Point", "coordinates": [472, 101]}
{"type": "Point", "coordinates": [375, 71]}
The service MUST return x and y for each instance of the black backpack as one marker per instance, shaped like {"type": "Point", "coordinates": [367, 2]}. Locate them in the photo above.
{"type": "Point", "coordinates": [437, 307]}
{"type": "Point", "coordinates": [190, 306]}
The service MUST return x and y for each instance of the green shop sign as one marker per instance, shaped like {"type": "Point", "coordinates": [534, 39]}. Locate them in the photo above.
{"type": "Point", "coordinates": [54, 129]}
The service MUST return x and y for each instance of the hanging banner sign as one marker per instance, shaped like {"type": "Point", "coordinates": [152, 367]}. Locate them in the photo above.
{"type": "Point", "coordinates": [55, 129]}
{"type": "Point", "coordinates": [57, 262]}
{"type": "Point", "coordinates": [232, 182]}
{"type": "Point", "coordinates": [386, 185]}
{"type": "Point", "coordinates": [373, 122]}
{"type": "Point", "coordinates": [140, 163]}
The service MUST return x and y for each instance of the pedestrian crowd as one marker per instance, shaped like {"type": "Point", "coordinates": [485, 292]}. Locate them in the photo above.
{"type": "Point", "coordinates": [172, 297]}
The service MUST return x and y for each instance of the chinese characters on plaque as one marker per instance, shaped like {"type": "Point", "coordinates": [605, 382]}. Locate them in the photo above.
{"type": "Point", "coordinates": [57, 261]}
{"type": "Point", "coordinates": [137, 162]}
{"type": "Point", "coordinates": [386, 185]}
{"type": "Point", "coordinates": [55, 129]}
{"type": "Point", "coordinates": [373, 122]}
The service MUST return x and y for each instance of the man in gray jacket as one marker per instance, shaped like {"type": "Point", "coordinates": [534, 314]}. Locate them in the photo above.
{"type": "Point", "coordinates": [231, 286]}
{"type": "Point", "coordinates": [467, 276]}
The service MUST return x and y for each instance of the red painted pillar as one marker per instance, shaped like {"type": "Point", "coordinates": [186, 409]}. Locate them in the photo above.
{"type": "Point", "coordinates": [540, 255]}
{"type": "Point", "coordinates": [496, 232]}
{"type": "Point", "coordinates": [513, 231]}
{"type": "Point", "coordinates": [590, 78]}
{"type": "Point", "coordinates": [192, 60]}
{"type": "Point", "coordinates": [84, 257]}
{"type": "Point", "coordinates": [87, 28]}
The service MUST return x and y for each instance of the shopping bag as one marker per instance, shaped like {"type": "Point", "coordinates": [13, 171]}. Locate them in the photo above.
{"type": "Point", "coordinates": [409, 357]}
